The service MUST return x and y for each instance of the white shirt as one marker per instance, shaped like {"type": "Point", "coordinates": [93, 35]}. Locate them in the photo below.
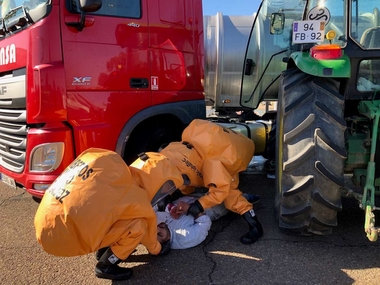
{"type": "Point", "coordinates": [186, 231]}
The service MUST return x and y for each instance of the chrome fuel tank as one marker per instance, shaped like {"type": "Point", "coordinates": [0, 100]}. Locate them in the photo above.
{"type": "Point", "coordinates": [257, 131]}
{"type": "Point", "coordinates": [226, 40]}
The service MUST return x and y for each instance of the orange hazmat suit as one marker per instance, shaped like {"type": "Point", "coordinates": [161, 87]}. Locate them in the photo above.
{"type": "Point", "coordinates": [95, 203]}
{"type": "Point", "coordinates": [212, 156]}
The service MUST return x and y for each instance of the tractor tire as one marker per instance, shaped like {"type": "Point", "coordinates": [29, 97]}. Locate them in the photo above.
{"type": "Point", "coordinates": [310, 144]}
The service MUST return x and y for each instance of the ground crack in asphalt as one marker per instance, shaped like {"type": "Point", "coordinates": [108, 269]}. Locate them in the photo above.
{"type": "Point", "coordinates": [16, 196]}
{"type": "Point", "coordinates": [210, 238]}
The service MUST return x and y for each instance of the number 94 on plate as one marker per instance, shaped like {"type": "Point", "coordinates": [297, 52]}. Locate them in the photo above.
{"type": "Point", "coordinates": [308, 32]}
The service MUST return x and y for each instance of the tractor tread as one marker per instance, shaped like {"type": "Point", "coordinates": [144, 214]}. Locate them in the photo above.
{"type": "Point", "coordinates": [310, 155]}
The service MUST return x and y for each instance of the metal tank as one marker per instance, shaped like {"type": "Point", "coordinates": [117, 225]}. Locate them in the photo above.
{"type": "Point", "coordinates": [226, 40]}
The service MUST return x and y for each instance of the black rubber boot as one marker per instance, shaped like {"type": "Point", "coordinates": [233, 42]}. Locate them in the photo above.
{"type": "Point", "coordinates": [100, 252]}
{"type": "Point", "coordinates": [255, 229]}
{"type": "Point", "coordinates": [107, 267]}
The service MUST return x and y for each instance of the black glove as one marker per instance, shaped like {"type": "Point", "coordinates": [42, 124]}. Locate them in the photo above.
{"type": "Point", "coordinates": [195, 209]}
{"type": "Point", "coordinates": [162, 204]}
{"type": "Point", "coordinates": [165, 248]}
{"type": "Point", "coordinates": [175, 195]}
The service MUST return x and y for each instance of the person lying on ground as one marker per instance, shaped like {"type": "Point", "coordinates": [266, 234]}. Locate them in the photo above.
{"type": "Point", "coordinates": [185, 231]}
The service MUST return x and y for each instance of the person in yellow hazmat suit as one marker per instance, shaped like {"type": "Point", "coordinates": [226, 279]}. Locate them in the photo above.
{"type": "Point", "coordinates": [96, 204]}
{"type": "Point", "coordinates": [212, 156]}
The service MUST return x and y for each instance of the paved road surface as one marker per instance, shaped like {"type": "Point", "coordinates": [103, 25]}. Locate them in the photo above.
{"type": "Point", "coordinates": [345, 257]}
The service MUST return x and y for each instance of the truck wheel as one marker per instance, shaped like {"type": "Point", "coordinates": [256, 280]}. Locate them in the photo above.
{"type": "Point", "coordinates": [310, 153]}
{"type": "Point", "coordinates": [150, 137]}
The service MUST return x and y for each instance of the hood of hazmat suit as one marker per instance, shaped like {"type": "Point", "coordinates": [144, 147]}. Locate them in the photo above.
{"type": "Point", "coordinates": [96, 203]}
{"type": "Point", "coordinates": [157, 175]}
{"type": "Point", "coordinates": [234, 150]}
{"type": "Point", "coordinates": [187, 160]}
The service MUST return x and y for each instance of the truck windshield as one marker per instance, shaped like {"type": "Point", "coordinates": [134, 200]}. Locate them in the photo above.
{"type": "Point", "coordinates": [35, 8]}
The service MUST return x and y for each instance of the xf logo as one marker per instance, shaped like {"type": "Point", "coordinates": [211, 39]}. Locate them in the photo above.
{"type": "Point", "coordinates": [86, 80]}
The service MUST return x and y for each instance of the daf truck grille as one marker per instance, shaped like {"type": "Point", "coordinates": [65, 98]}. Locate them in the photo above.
{"type": "Point", "coordinates": [13, 132]}
{"type": "Point", "coordinates": [13, 126]}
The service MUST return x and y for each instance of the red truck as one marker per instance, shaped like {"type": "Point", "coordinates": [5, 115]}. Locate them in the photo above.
{"type": "Point", "coordinates": [115, 74]}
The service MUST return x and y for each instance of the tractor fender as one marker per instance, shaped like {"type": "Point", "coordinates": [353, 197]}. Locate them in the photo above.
{"type": "Point", "coordinates": [334, 68]}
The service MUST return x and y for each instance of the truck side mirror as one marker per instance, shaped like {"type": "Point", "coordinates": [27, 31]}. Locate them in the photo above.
{"type": "Point", "coordinates": [85, 6]}
{"type": "Point", "coordinates": [277, 22]}
{"type": "Point", "coordinates": [90, 6]}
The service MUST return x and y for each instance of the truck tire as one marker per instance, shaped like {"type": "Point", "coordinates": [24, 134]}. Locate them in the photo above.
{"type": "Point", "coordinates": [150, 137]}
{"type": "Point", "coordinates": [310, 156]}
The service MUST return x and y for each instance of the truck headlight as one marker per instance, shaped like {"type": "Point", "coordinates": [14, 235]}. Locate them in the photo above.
{"type": "Point", "coordinates": [46, 157]}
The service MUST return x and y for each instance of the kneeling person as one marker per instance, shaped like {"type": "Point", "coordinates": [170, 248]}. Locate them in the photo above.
{"type": "Point", "coordinates": [96, 204]}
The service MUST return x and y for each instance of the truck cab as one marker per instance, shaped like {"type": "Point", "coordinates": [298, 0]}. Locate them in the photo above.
{"type": "Point", "coordinates": [119, 75]}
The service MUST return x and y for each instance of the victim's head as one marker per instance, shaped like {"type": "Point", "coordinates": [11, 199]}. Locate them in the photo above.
{"type": "Point", "coordinates": [163, 232]}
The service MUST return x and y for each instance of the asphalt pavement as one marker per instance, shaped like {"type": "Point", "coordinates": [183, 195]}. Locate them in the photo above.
{"type": "Point", "coordinates": [345, 257]}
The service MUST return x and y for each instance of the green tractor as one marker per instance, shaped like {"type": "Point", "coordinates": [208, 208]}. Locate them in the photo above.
{"type": "Point", "coordinates": [321, 61]}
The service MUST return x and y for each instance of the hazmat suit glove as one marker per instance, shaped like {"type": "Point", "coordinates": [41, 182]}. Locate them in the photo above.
{"type": "Point", "coordinates": [175, 195]}
{"type": "Point", "coordinates": [195, 209]}
{"type": "Point", "coordinates": [161, 205]}
{"type": "Point", "coordinates": [169, 199]}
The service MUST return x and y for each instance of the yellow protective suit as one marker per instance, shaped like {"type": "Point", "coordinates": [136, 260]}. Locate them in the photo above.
{"type": "Point", "coordinates": [95, 203]}
{"type": "Point", "coordinates": [212, 157]}
{"type": "Point", "coordinates": [155, 173]}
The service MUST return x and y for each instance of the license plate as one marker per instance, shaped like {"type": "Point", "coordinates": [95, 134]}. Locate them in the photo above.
{"type": "Point", "coordinates": [7, 180]}
{"type": "Point", "coordinates": [308, 32]}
